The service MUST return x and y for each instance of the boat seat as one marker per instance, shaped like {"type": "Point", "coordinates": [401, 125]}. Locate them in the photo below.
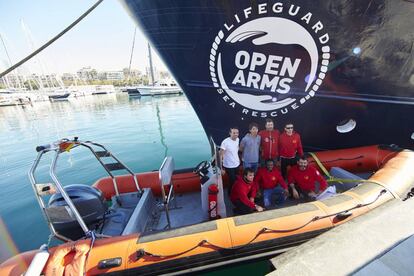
{"type": "Point", "coordinates": [337, 172]}
{"type": "Point", "coordinates": [120, 212]}
{"type": "Point", "coordinates": [167, 188]}
{"type": "Point", "coordinates": [126, 200]}
{"type": "Point", "coordinates": [141, 214]}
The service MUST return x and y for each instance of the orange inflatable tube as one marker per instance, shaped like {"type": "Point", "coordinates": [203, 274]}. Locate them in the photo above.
{"type": "Point", "coordinates": [361, 159]}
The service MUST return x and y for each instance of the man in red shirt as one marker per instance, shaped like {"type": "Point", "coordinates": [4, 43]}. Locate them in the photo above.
{"type": "Point", "coordinates": [243, 193]}
{"type": "Point", "coordinates": [269, 144]}
{"type": "Point", "coordinates": [272, 183]}
{"type": "Point", "coordinates": [290, 145]}
{"type": "Point", "coordinates": [302, 180]}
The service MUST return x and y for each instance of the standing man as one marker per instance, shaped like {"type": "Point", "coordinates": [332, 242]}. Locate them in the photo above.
{"type": "Point", "coordinates": [272, 183]}
{"type": "Point", "coordinates": [302, 180]}
{"type": "Point", "coordinates": [269, 143]}
{"type": "Point", "coordinates": [290, 146]}
{"type": "Point", "coordinates": [243, 194]}
{"type": "Point", "coordinates": [229, 155]}
{"type": "Point", "coordinates": [249, 146]}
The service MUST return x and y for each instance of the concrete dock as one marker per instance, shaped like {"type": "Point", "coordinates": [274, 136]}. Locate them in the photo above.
{"type": "Point", "coordinates": [380, 242]}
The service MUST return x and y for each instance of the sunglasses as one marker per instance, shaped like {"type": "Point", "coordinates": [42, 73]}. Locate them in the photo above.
{"type": "Point", "coordinates": [288, 127]}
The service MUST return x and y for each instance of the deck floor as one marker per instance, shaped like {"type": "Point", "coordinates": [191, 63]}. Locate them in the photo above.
{"type": "Point", "coordinates": [186, 210]}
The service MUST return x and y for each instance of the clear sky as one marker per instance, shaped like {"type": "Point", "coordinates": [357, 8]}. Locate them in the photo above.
{"type": "Point", "coordinates": [102, 40]}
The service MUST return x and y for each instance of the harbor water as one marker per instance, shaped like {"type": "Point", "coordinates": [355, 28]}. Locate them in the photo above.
{"type": "Point", "coordinates": [140, 132]}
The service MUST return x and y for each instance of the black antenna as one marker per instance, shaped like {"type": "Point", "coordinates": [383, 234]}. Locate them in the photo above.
{"type": "Point", "coordinates": [150, 63]}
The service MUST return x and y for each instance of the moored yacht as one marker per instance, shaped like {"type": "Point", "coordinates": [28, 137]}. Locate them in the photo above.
{"type": "Point", "coordinates": [59, 97]}
{"type": "Point", "coordinates": [166, 87]}
{"type": "Point", "coordinates": [7, 101]}
{"type": "Point", "coordinates": [103, 89]}
{"type": "Point", "coordinates": [8, 98]}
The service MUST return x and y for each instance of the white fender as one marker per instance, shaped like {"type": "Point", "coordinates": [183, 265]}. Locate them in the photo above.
{"type": "Point", "coordinates": [38, 262]}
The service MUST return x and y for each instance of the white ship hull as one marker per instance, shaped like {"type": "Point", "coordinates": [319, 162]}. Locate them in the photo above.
{"type": "Point", "coordinates": [158, 90]}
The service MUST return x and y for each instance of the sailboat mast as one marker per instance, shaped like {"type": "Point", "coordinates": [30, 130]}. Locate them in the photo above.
{"type": "Point", "coordinates": [17, 80]}
{"type": "Point", "coordinates": [5, 49]}
{"type": "Point", "coordinates": [30, 41]}
{"type": "Point", "coordinates": [132, 53]}
{"type": "Point", "coordinates": [151, 67]}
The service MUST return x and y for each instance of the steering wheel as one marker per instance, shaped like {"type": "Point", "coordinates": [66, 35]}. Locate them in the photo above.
{"type": "Point", "coordinates": [202, 166]}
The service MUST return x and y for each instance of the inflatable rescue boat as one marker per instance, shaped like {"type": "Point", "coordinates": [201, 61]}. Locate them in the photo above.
{"type": "Point", "coordinates": [162, 221]}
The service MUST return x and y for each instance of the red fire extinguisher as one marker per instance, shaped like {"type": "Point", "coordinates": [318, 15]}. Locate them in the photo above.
{"type": "Point", "coordinates": [212, 202]}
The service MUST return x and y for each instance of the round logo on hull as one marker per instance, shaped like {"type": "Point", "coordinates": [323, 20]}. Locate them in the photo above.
{"type": "Point", "coordinates": [270, 60]}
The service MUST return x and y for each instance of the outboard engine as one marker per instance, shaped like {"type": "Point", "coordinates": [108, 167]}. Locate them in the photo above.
{"type": "Point", "coordinates": [89, 202]}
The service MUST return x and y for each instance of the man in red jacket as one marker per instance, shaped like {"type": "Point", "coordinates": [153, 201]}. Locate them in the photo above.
{"type": "Point", "coordinates": [272, 183]}
{"type": "Point", "coordinates": [290, 145]}
{"type": "Point", "coordinates": [302, 180]}
{"type": "Point", "coordinates": [269, 143]}
{"type": "Point", "coordinates": [243, 193]}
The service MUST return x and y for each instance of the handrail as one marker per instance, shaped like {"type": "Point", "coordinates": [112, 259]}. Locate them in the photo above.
{"type": "Point", "coordinates": [32, 180]}
{"type": "Point", "coordinates": [86, 144]}
{"type": "Point", "coordinates": [59, 147]}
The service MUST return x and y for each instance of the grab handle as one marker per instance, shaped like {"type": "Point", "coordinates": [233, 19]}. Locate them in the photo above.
{"type": "Point", "coordinates": [43, 147]}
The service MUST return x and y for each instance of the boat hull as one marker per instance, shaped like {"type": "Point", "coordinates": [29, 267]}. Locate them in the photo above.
{"type": "Point", "coordinates": [62, 97]}
{"type": "Point", "coordinates": [367, 76]}
{"type": "Point", "coordinates": [153, 91]}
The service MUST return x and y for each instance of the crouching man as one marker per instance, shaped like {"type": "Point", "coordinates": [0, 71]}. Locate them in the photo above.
{"type": "Point", "coordinates": [243, 193]}
{"type": "Point", "coordinates": [272, 183]}
{"type": "Point", "coordinates": [302, 178]}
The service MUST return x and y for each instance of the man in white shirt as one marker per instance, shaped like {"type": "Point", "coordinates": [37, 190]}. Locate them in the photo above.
{"type": "Point", "coordinates": [229, 154]}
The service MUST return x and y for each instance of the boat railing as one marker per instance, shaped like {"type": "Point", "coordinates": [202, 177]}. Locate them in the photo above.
{"type": "Point", "coordinates": [44, 189]}
{"type": "Point", "coordinates": [48, 189]}
{"type": "Point", "coordinates": [41, 189]}
{"type": "Point", "coordinates": [110, 167]}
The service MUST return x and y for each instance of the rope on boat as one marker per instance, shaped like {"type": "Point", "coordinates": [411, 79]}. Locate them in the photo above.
{"type": "Point", "coordinates": [321, 166]}
{"type": "Point", "coordinates": [341, 159]}
{"type": "Point", "coordinates": [142, 252]}
{"type": "Point", "coordinates": [410, 194]}
{"type": "Point", "coordinates": [343, 180]}
{"type": "Point", "coordinates": [90, 234]}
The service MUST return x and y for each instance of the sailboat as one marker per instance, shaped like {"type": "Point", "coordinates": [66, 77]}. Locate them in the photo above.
{"type": "Point", "coordinates": [59, 97]}
{"type": "Point", "coordinates": [341, 71]}
{"type": "Point", "coordinates": [103, 89]}
{"type": "Point", "coordinates": [157, 88]}
{"type": "Point", "coordinates": [7, 99]}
